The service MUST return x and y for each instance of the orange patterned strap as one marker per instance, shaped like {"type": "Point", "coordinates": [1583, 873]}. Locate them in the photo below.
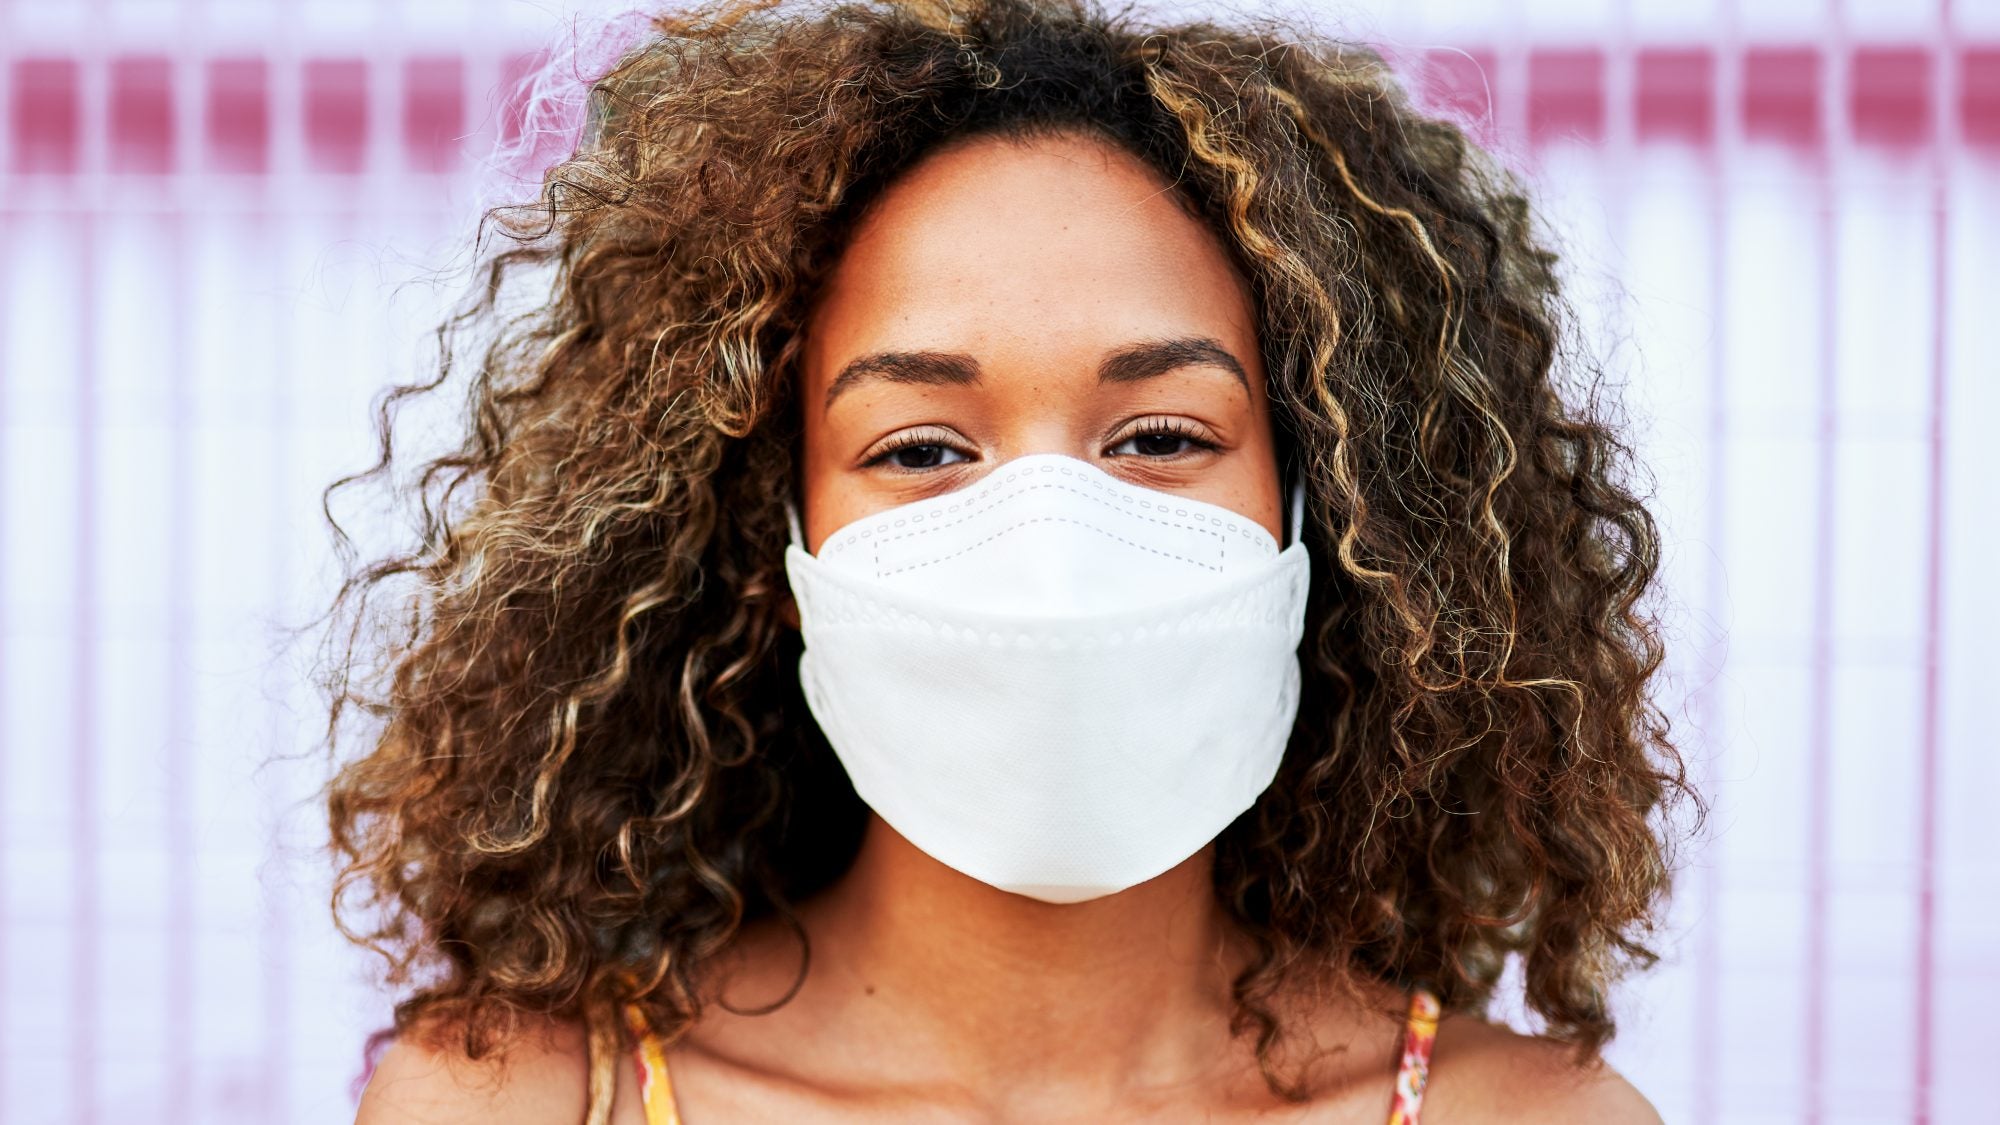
{"type": "Point", "coordinates": [1418, 1035]}
{"type": "Point", "coordinates": [656, 1087]}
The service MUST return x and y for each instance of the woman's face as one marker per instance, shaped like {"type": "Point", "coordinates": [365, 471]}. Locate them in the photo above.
{"type": "Point", "coordinates": [1004, 298]}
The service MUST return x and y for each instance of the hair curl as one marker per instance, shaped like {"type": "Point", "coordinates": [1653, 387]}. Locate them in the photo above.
{"type": "Point", "coordinates": [593, 763]}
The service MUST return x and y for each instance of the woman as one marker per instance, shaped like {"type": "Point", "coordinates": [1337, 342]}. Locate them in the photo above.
{"type": "Point", "coordinates": [1030, 566]}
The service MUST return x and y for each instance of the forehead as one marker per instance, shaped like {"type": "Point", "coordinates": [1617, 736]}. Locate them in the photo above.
{"type": "Point", "coordinates": [1055, 244]}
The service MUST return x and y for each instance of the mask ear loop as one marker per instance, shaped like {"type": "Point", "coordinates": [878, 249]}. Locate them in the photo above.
{"type": "Point", "coordinates": [792, 521]}
{"type": "Point", "coordinates": [1298, 528]}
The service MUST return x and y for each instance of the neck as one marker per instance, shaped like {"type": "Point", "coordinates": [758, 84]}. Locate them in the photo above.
{"type": "Point", "coordinates": [1125, 991]}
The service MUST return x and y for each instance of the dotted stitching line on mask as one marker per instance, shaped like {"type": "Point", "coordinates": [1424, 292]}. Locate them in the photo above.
{"type": "Point", "coordinates": [880, 573]}
{"type": "Point", "coordinates": [978, 507]}
{"type": "Point", "coordinates": [840, 606]}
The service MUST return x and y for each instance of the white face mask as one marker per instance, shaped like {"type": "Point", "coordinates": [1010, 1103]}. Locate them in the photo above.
{"type": "Point", "coordinates": [1051, 680]}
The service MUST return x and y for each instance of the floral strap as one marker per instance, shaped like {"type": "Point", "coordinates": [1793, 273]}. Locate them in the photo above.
{"type": "Point", "coordinates": [1418, 1034]}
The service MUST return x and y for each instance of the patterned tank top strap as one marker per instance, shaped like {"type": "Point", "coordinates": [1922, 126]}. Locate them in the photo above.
{"type": "Point", "coordinates": [1419, 1032]}
{"type": "Point", "coordinates": [656, 1086]}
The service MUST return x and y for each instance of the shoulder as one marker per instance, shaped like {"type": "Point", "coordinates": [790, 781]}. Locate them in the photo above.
{"type": "Point", "coordinates": [1488, 1073]}
{"type": "Point", "coordinates": [538, 1073]}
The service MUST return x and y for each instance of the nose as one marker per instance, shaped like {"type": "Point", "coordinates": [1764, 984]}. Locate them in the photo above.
{"type": "Point", "coordinates": [1045, 428]}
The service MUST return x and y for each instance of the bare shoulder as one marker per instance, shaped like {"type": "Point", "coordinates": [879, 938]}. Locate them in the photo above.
{"type": "Point", "coordinates": [538, 1074]}
{"type": "Point", "coordinates": [1488, 1073]}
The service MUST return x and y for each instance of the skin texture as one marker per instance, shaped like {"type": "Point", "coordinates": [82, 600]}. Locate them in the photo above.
{"type": "Point", "coordinates": [1480, 1075]}
{"type": "Point", "coordinates": [1037, 263]}
{"type": "Point", "coordinates": [933, 996]}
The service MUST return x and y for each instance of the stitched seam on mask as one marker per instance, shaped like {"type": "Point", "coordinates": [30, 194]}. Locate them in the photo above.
{"type": "Point", "coordinates": [1249, 608]}
{"type": "Point", "coordinates": [880, 573]}
{"type": "Point", "coordinates": [947, 523]}
{"type": "Point", "coordinates": [1218, 531]}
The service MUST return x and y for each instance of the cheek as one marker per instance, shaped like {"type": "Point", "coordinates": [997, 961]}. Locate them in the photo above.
{"type": "Point", "coordinates": [818, 496]}
{"type": "Point", "coordinates": [1254, 490]}
{"type": "Point", "coordinates": [1255, 478]}
{"type": "Point", "coordinates": [829, 501]}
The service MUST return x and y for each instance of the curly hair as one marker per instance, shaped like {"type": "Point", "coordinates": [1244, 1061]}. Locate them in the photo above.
{"type": "Point", "coordinates": [592, 764]}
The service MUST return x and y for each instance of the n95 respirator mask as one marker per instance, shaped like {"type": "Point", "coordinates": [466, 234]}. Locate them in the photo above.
{"type": "Point", "coordinates": [1051, 680]}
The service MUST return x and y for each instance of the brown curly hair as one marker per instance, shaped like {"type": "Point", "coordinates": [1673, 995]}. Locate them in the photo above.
{"type": "Point", "coordinates": [591, 763]}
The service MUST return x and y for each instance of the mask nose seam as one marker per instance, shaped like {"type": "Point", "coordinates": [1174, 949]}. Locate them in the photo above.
{"type": "Point", "coordinates": [1222, 551]}
{"type": "Point", "coordinates": [985, 506]}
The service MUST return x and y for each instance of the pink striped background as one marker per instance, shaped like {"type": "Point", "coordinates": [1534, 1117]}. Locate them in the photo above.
{"type": "Point", "coordinates": [215, 225]}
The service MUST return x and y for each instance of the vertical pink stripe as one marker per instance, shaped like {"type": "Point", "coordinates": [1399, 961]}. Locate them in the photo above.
{"type": "Point", "coordinates": [1927, 787]}
{"type": "Point", "coordinates": [89, 1038]}
{"type": "Point", "coordinates": [1819, 696]}
{"type": "Point", "coordinates": [177, 1105]}
{"type": "Point", "coordinates": [266, 221]}
{"type": "Point", "coordinates": [6, 784]}
{"type": "Point", "coordinates": [1708, 956]}
{"type": "Point", "coordinates": [1819, 756]}
{"type": "Point", "coordinates": [277, 1009]}
{"type": "Point", "coordinates": [1933, 602]}
{"type": "Point", "coordinates": [1927, 795]}
{"type": "Point", "coordinates": [85, 1038]}
{"type": "Point", "coordinates": [1708, 1026]}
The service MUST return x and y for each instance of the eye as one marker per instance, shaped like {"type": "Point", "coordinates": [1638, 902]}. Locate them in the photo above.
{"type": "Point", "coordinates": [915, 452]}
{"type": "Point", "coordinates": [1160, 439]}
{"type": "Point", "coordinates": [922, 455]}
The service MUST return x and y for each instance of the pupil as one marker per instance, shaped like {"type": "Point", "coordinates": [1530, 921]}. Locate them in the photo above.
{"type": "Point", "coordinates": [919, 456]}
{"type": "Point", "coordinates": [1159, 444]}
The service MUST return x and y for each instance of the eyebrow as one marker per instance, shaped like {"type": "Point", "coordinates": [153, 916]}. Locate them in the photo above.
{"type": "Point", "coordinates": [1128, 364]}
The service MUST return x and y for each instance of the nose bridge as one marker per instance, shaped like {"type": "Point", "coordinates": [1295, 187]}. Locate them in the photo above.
{"type": "Point", "coordinates": [1052, 431]}
{"type": "Point", "coordinates": [1060, 420]}
{"type": "Point", "coordinates": [1041, 388]}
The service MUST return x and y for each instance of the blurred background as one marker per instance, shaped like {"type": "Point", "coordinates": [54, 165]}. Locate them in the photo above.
{"type": "Point", "coordinates": [225, 225]}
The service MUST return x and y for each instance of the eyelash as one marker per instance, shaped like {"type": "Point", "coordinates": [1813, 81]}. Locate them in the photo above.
{"type": "Point", "coordinates": [1145, 427]}
{"type": "Point", "coordinates": [1177, 427]}
{"type": "Point", "coordinates": [911, 440]}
